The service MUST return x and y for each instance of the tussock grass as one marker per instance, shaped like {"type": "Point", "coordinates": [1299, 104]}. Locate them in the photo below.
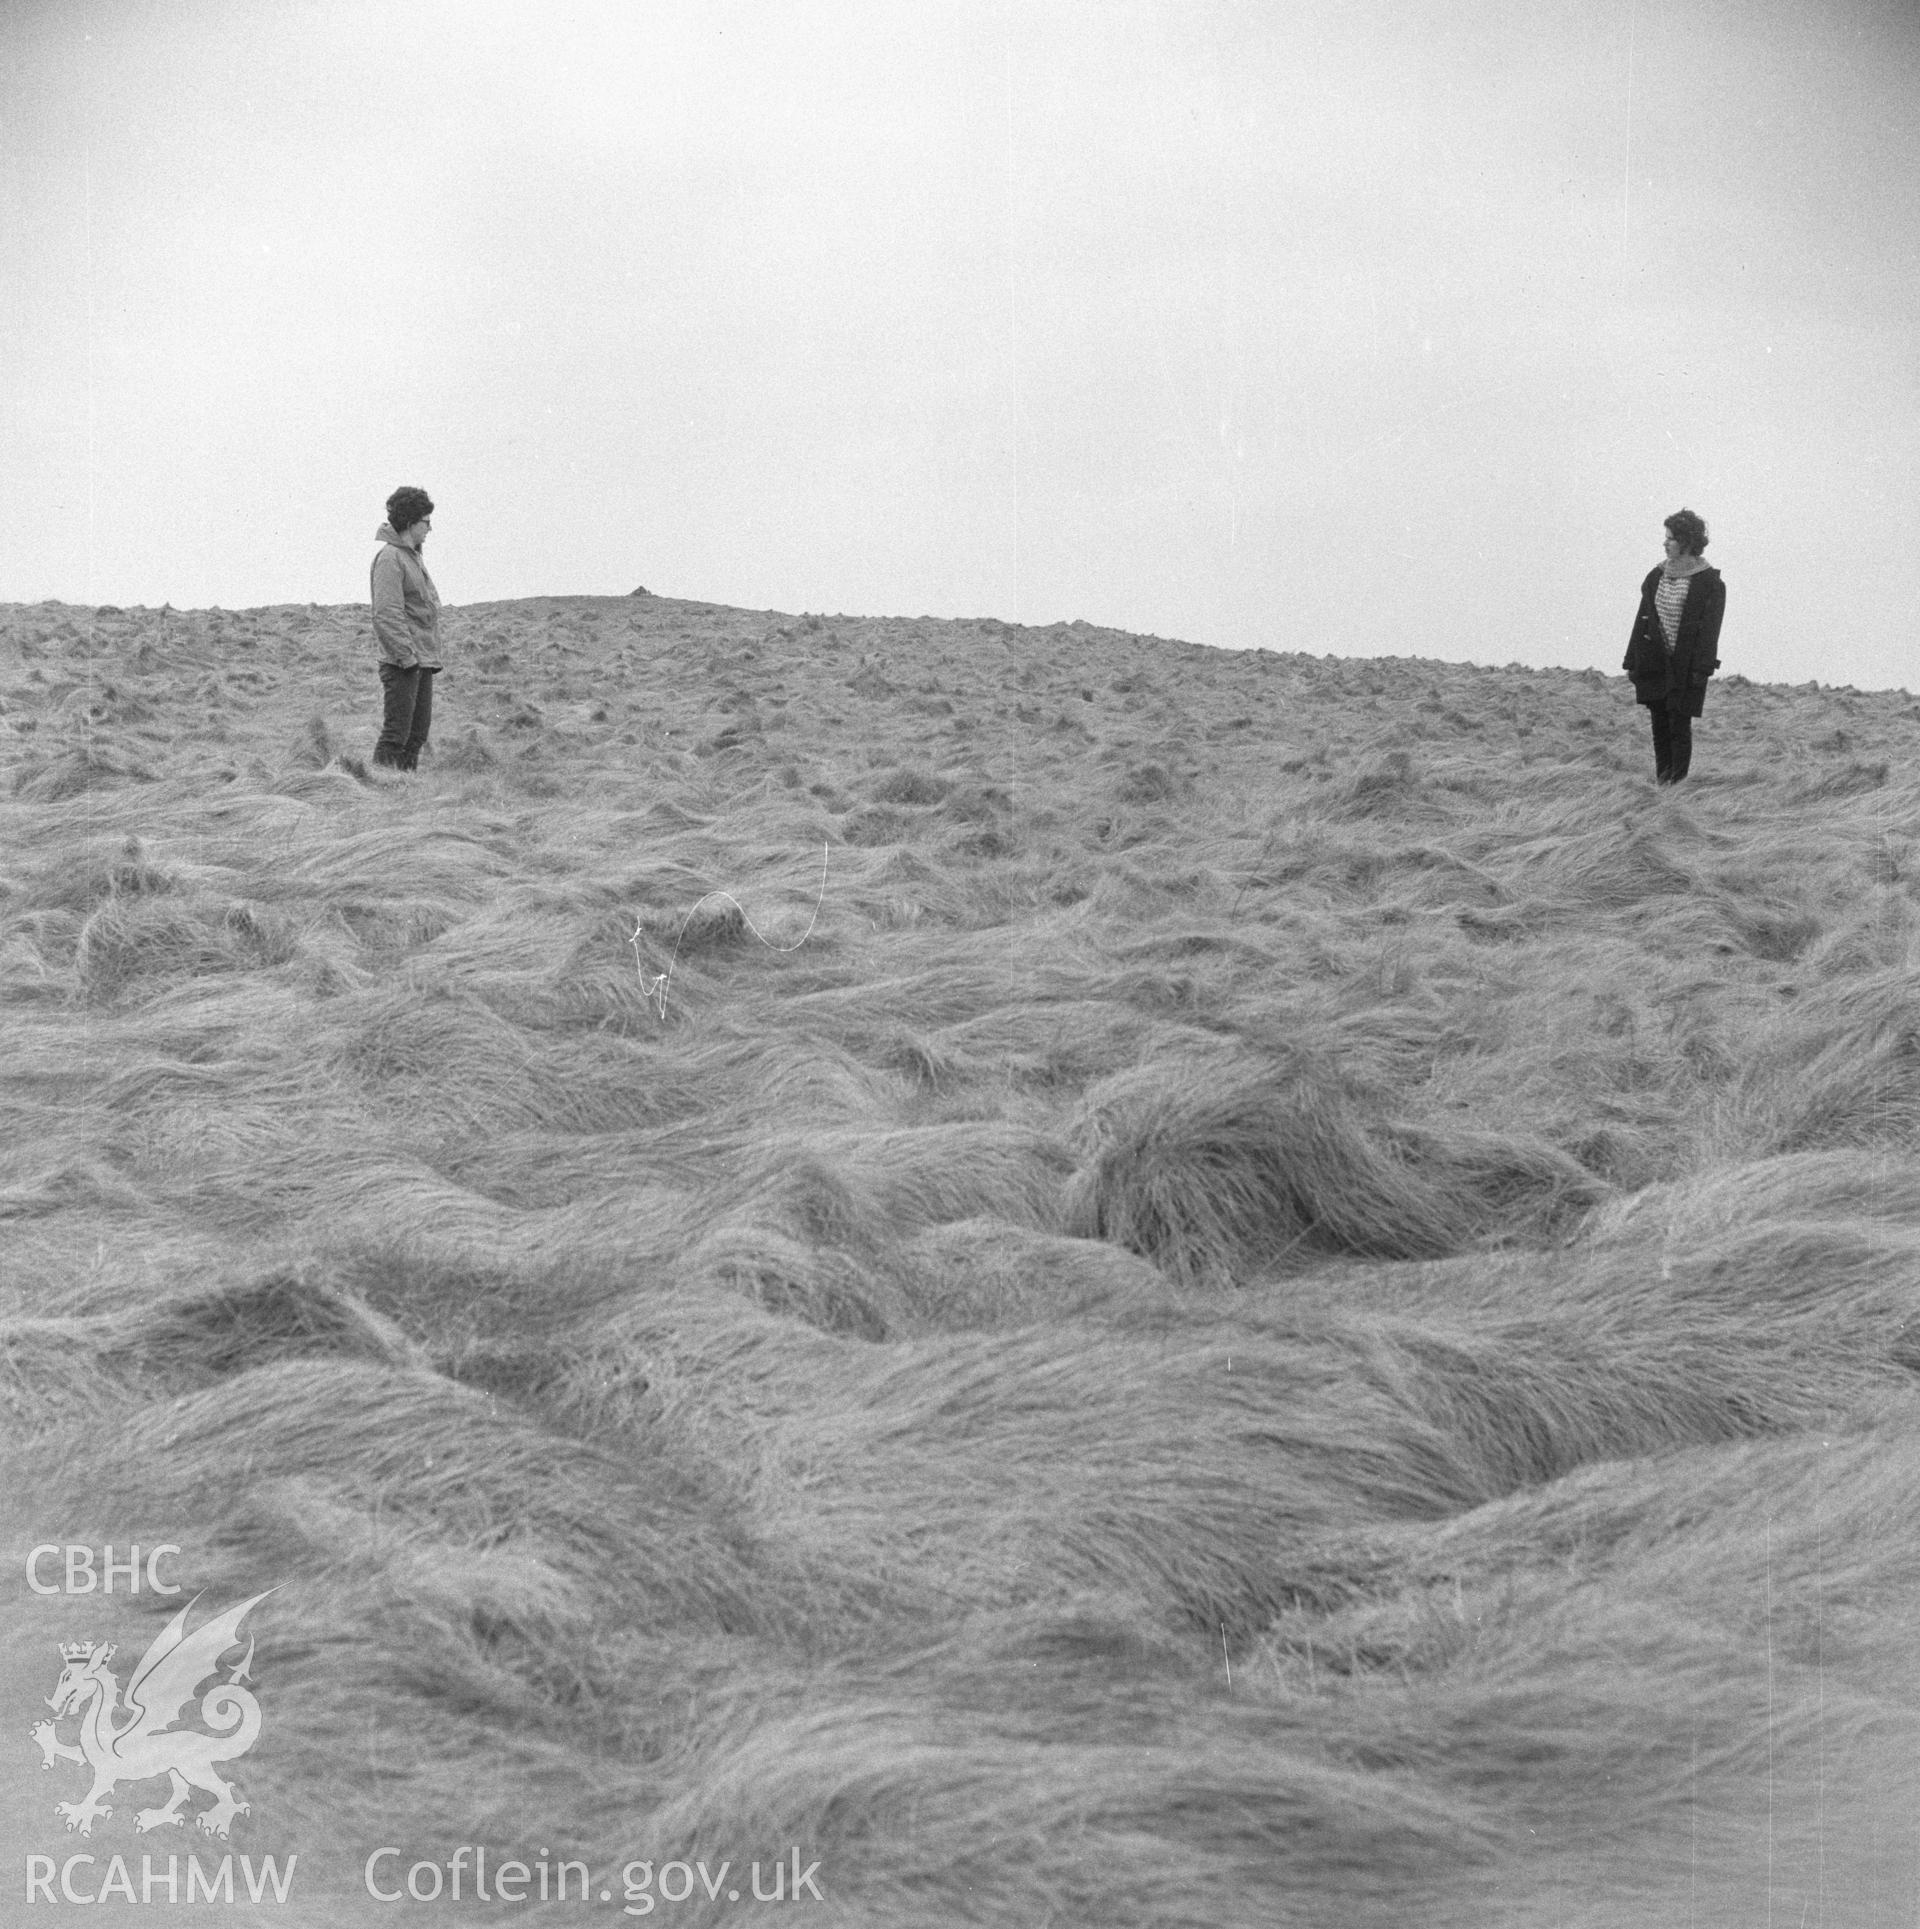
{"type": "Point", "coordinates": [292, 1313]}
{"type": "Point", "coordinates": [1213, 1172]}
{"type": "Point", "coordinates": [1283, 1314]}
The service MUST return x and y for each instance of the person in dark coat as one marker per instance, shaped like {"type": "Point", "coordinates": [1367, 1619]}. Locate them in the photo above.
{"type": "Point", "coordinates": [1675, 645]}
{"type": "Point", "coordinates": [406, 629]}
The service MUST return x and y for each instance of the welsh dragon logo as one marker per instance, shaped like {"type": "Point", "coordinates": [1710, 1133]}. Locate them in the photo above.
{"type": "Point", "coordinates": [137, 1741]}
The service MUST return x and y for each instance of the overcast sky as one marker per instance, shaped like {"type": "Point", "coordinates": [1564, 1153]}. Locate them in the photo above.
{"type": "Point", "coordinates": [1365, 326]}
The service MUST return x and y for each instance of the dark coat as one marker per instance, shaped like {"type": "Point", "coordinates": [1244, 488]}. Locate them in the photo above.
{"type": "Point", "coordinates": [1682, 683]}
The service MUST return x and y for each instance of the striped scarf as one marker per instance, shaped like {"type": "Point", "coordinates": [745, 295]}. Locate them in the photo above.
{"type": "Point", "coordinates": [1668, 600]}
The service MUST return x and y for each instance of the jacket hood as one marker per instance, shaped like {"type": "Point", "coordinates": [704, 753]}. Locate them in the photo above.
{"type": "Point", "coordinates": [385, 534]}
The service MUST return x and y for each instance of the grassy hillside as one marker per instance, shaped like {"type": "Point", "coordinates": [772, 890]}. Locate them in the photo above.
{"type": "Point", "coordinates": [1220, 1290]}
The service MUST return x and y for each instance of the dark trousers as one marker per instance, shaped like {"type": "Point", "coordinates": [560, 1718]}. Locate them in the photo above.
{"type": "Point", "coordinates": [1672, 742]}
{"type": "Point", "coordinates": [407, 717]}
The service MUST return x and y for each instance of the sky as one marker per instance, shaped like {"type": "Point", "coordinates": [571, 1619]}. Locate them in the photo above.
{"type": "Point", "coordinates": [1361, 327]}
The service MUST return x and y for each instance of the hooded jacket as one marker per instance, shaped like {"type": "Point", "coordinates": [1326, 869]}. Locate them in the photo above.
{"type": "Point", "coordinates": [406, 606]}
{"type": "Point", "coordinates": [1679, 681]}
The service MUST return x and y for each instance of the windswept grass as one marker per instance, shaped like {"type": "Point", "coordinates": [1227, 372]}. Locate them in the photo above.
{"type": "Point", "coordinates": [1290, 1299]}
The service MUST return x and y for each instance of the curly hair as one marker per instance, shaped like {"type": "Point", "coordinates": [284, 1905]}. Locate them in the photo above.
{"type": "Point", "coordinates": [407, 506]}
{"type": "Point", "coordinates": [1689, 531]}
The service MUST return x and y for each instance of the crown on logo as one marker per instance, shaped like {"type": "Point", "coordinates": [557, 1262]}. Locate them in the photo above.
{"type": "Point", "coordinates": [76, 1650]}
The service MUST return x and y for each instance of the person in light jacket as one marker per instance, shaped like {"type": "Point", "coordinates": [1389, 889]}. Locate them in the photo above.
{"type": "Point", "coordinates": [406, 628]}
{"type": "Point", "coordinates": [1675, 645]}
